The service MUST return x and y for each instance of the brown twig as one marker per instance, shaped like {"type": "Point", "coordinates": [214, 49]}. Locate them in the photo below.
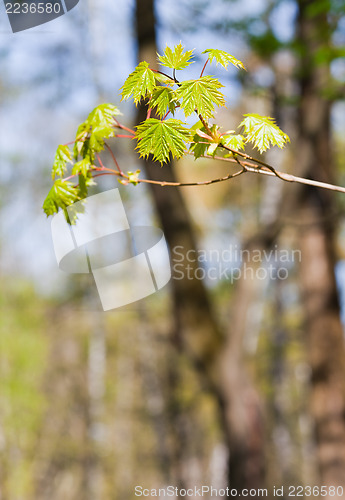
{"type": "Point", "coordinates": [200, 183]}
{"type": "Point", "coordinates": [114, 159]}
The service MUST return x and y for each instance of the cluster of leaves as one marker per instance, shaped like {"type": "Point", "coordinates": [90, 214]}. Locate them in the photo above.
{"type": "Point", "coordinates": [89, 141]}
{"type": "Point", "coordinates": [201, 96]}
{"type": "Point", "coordinates": [161, 136]}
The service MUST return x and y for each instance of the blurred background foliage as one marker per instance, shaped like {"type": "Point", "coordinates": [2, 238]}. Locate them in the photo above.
{"type": "Point", "coordinates": [205, 382]}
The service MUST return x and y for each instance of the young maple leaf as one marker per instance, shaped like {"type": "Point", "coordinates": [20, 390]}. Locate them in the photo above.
{"type": "Point", "coordinates": [62, 157]}
{"type": "Point", "coordinates": [201, 95]}
{"type": "Point", "coordinates": [263, 132]}
{"type": "Point", "coordinates": [176, 59]}
{"type": "Point", "coordinates": [82, 167]}
{"type": "Point", "coordinates": [98, 126]}
{"type": "Point", "coordinates": [223, 58]}
{"type": "Point", "coordinates": [140, 83]}
{"type": "Point", "coordinates": [163, 98]}
{"type": "Point", "coordinates": [103, 116]}
{"type": "Point", "coordinates": [233, 141]}
{"type": "Point", "coordinates": [160, 138]}
{"type": "Point", "coordinates": [61, 195]}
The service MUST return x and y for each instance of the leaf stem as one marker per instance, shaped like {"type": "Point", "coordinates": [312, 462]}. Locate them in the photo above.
{"type": "Point", "coordinates": [114, 159]}
{"type": "Point", "coordinates": [205, 124]}
{"type": "Point", "coordinates": [100, 162]}
{"type": "Point", "coordinates": [203, 69]}
{"type": "Point", "coordinates": [164, 74]}
{"type": "Point", "coordinates": [119, 125]}
{"type": "Point", "coordinates": [113, 172]}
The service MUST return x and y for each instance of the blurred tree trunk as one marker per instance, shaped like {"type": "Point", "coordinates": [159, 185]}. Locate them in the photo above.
{"type": "Point", "coordinates": [242, 406]}
{"type": "Point", "coordinates": [196, 331]}
{"type": "Point", "coordinates": [323, 327]}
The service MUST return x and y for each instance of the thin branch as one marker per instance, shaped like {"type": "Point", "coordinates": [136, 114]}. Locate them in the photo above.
{"type": "Point", "coordinates": [114, 159]}
{"type": "Point", "coordinates": [107, 171]}
{"type": "Point", "coordinates": [245, 167]}
{"type": "Point", "coordinates": [250, 167]}
{"type": "Point", "coordinates": [200, 183]}
{"type": "Point", "coordinates": [301, 180]}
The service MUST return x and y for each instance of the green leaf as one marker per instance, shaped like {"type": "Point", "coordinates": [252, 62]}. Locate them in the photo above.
{"type": "Point", "coordinates": [98, 126]}
{"type": "Point", "coordinates": [177, 58]}
{"type": "Point", "coordinates": [262, 132]}
{"type": "Point", "coordinates": [160, 138]}
{"type": "Point", "coordinates": [163, 98]}
{"type": "Point", "coordinates": [82, 167]}
{"type": "Point", "coordinates": [81, 137]}
{"type": "Point", "coordinates": [140, 83]}
{"type": "Point", "coordinates": [233, 141]}
{"type": "Point", "coordinates": [62, 157]}
{"type": "Point", "coordinates": [97, 136]}
{"type": "Point", "coordinates": [103, 116]}
{"type": "Point", "coordinates": [61, 195]}
{"type": "Point", "coordinates": [82, 186]}
{"type": "Point", "coordinates": [201, 95]}
{"type": "Point", "coordinates": [78, 208]}
{"type": "Point", "coordinates": [223, 58]}
{"type": "Point", "coordinates": [199, 146]}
